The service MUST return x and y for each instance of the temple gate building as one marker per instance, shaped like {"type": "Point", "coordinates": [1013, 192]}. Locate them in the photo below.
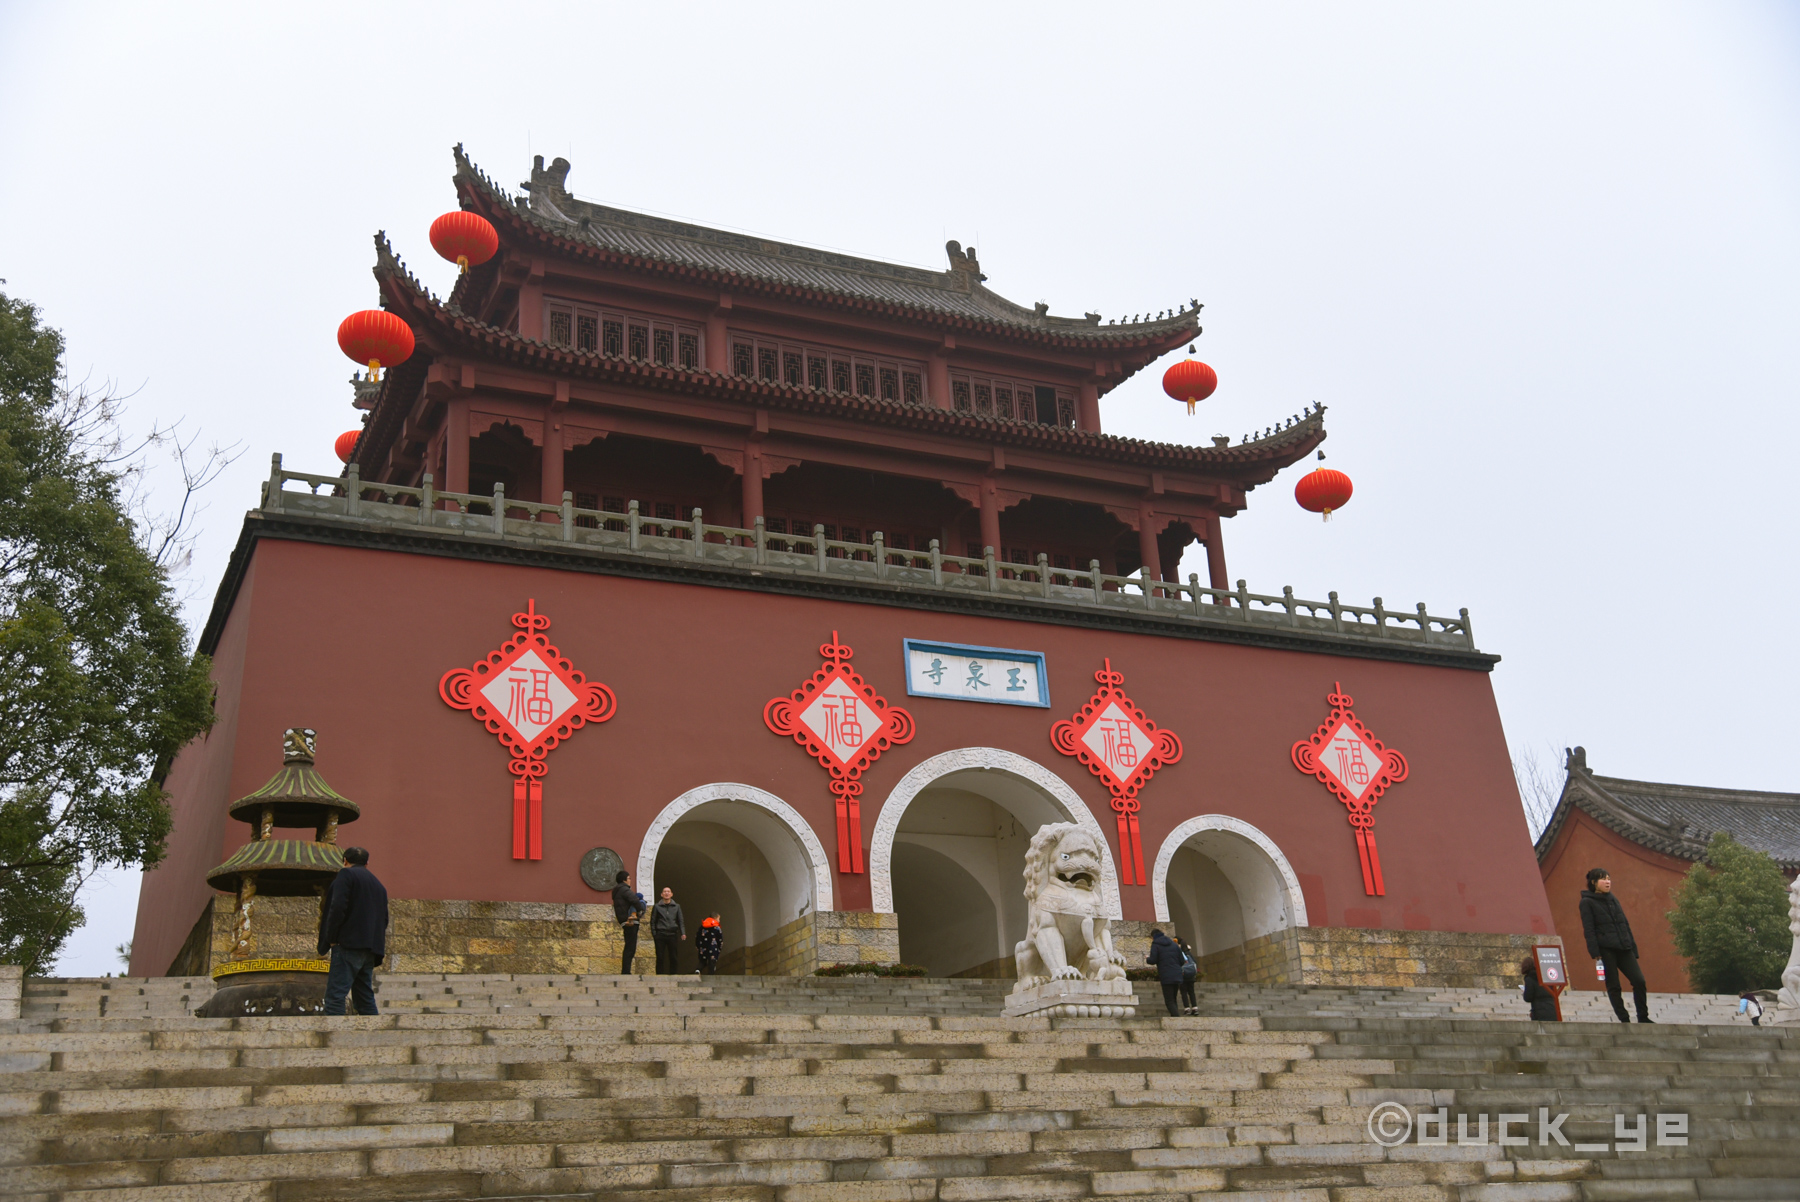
{"type": "Point", "coordinates": [811, 586]}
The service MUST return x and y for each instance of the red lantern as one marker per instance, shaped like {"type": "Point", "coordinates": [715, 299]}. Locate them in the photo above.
{"type": "Point", "coordinates": [466, 239]}
{"type": "Point", "coordinates": [1190, 381]}
{"type": "Point", "coordinates": [345, 446]}
{"type": "Point", "coordinates": [1322, 491]}
{"type": "Point", "coordinates": [376, 337]}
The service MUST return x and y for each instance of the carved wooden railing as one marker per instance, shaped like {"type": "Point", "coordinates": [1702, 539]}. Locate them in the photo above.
{"type": "Point", "coordinates": [500, 517]}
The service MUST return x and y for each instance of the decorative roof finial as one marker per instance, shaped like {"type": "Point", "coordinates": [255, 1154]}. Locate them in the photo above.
{"type": "Point", "coordinates": [298, 743]}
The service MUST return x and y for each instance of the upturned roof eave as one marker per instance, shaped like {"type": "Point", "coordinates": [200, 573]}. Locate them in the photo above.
{"type": "Point", "coordinates": [1596, 797]}
{"type": "Point", "coordinates": [442, 329]}
{"type": "Point", "coordinates": [476, 192]}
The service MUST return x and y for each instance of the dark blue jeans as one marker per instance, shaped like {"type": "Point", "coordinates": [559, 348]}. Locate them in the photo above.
{"type": "Point", "coordinates": [353, 973]}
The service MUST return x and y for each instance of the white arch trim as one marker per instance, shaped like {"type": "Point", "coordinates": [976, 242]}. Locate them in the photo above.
{"type": "Point", "coordinates": [993, 759]}
{"type": "Point", "coordinates": [1159, 879]}
{"type": "Point", "coordinates": [728, 791]}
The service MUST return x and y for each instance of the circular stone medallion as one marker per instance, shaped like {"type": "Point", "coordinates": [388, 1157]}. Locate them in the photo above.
{"type": "Point", "coordinates": [600, 868]}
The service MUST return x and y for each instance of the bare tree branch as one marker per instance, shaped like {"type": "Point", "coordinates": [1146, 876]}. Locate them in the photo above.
{"type": "Point", "coordinates": [1540, 778]}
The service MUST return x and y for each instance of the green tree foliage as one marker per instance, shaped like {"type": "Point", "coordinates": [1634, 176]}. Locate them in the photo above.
{"type": "Point", "coordinates": [97, 687]}
{"type": "Point", "coordinates": [1731, 919]}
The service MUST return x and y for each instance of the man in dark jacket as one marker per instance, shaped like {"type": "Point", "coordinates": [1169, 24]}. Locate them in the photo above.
{"type": "Point", "coordinates": [628, 908]}
{"type": "Point", "coordinates": [353, 930]}
{"type": "Point", "coordinates": [1609, 941]}
{"type": "Point", "coordinates": [1170, 964]}
{"type": "Point", "coordinates": [666, 925]}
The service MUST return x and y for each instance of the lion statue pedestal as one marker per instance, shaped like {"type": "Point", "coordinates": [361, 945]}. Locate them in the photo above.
{"type": "Point", "coordinates": [1066, 962]}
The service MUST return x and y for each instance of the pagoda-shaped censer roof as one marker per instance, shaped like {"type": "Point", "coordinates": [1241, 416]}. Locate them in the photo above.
{"type": "Point", "coordinates": [281, 867]}
{"type": "Point", "coordinates": [297, 793]}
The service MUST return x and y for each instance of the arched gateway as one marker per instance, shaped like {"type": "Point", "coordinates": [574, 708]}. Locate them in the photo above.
{"type": "Point", "coordinates": [740, 851]}
{"type": "Point", "coordinates": [1219, 881]}
{"type": "Point", "coordinates": [948, 852]}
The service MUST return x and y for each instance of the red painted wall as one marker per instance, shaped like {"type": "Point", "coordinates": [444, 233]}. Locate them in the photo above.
{"type": "Point", "coordinates": [1645, 882]}
{"type": "Point", "coordinates": [353, 642]}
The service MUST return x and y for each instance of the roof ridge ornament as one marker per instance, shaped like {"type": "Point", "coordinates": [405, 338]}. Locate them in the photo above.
{"type": "Point", "coordinates": [964, 263]}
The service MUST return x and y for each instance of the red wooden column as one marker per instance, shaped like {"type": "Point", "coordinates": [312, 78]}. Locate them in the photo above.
{"type": "Point", "coordinates": [937, 374]}
{"type": "Point", "coordinates": [1147, 543]}
{"type": "Point", "coordinates": [551, 476]}
{"type": "Point", "coordinates": [1087, 408]}
{"type": "Point", "coordinates": [753, 478]}
{"type": "Point", "coordinates": [990, 514]}
{"type": "Point", "coordinates": [1215, 553]}
{"type": "Point", "coordinates": [718, 343]}
{"type": "Point", "coordinates": [456, 448]}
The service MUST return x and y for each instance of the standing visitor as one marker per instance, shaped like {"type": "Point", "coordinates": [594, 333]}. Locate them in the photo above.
{"type": "Point", "coordinates": [709, 943]}
{"type": "Point", "coordinates": [1609, 941]}
{"type": "Point", "coordinates": [1166, 955]}
{"type": "Point", "coordinates": [628, 908]}
{"type": "Point", "coordinates": [1190, 973]}
{"type": "Point", "coordinates": [1541, 1000]}
{"type": "Point", "coordinates": [353, 929]}
{"type": "Point", "coordinates": [666, 926]}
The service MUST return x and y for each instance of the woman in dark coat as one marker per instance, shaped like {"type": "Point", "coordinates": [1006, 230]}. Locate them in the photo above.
{"type": "Point", "coordinates": [1165, 953]}
{"type": "Point", "coordinates": [1609, 940]}
{"type": "Point", "coordinates": [1543, 1002]}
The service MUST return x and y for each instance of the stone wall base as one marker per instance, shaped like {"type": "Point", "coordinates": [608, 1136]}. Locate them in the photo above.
{"type": "Point", "coordinates": [530, 937]}
{"type": "Point", "coordinates": [1367, 957]}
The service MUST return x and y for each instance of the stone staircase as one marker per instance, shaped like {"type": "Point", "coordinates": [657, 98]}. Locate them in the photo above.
{"type": "Point", "coordinates": [126, 997]}
{"type": "Point", "coordinates": [495, 1100]}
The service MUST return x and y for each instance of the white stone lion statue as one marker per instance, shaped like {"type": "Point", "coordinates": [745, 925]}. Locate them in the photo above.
{"type": "Point", "coordinates": [1067, 935]}
{"type": "Point", "coordinates": [1789, 997]}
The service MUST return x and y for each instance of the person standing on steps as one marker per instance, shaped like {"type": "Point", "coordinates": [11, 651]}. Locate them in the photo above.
{"type": "Point", "coordinates": [710, 942]}
{"type": "Point", "coordinates": [1609, 940]}
{"type": "Point", "coordinates": [353, 925]}
{"type": "Point", "coordinates": [1541, 1000]}
{"type": "Point", "coordinates": [1166, 955]}
{"type": "Point", "coordinates": [628, 908]}
{"type": "Point", "coordinates": [666, 927]}
{"type": "Point", "coordinates": [1190, 974]}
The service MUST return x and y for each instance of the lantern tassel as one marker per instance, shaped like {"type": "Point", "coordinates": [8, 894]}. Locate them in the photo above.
{"type": "Point", "coordinates": [462, 261]}
{"type": "Point", "coordinates": [1190, 406]}
{"type": "Point", "coordinates": [1328, 515]}
{"type": "Point", "coordinates": [374, 371]}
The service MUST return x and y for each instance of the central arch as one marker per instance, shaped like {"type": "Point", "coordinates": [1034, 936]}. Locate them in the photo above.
{"type": "Point", "coordinates": [972, 813]}
{"type": "Point", "coordinates": [1235, 884]}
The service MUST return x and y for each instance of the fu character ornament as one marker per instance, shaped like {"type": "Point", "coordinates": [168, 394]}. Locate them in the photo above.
{"type": "Point", "coordinates": [845, 725]}
{"type": "Point", "coordinates": [532, 698]}
{"type": "Point", "coordinates": [1120, 745]}
{"type": "Point", "coordinates": [1355, 766]}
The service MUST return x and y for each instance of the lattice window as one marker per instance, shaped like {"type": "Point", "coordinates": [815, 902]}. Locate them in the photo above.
{"type": "Point", "coordinates": [667, 511]}
{"type": "Point", "coordinates": [959, 389]}
{"type": "Point", "coordinates": [865, 379]}
{"type": "Point", "coordinates": [1060, 561]}
{"type": "Point", "coordinates": [1003, 401]}
{"type": "Point", "coordinates": [775, 525]}
{"type": "Point", "coordinates": [890, 383]}
{"type": "Point", "coordinates": [587, 500]}
{"type": "Point", "coordinates": [817, 371]}
{"type": "Point", "coordinates": [838, 371]}
{"type": "Point", "coordinates": [743, 359]}
{"type": "Point", "coordinates": [793, 367]}
{"type": "Point", "coordinates": [596, 331]}
{"type": "Point", "coordinates": [912, 387]}
{"type": "Point", "coordinates": [984, 399]}
{"type": "Point", "coordinates": [766, 364]}
{"type": "Point", "coordinates": [1012, 399]}
{"type": "Point", "coordinates": [1065, 411]}
{"type": "Point", "coordinates": [840, 376]}
{"type": "Point", "coordinates": [615, 505]}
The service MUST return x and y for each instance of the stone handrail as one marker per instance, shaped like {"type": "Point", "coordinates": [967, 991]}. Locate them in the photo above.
{"type": "Point", "coordinates": [505, 518]}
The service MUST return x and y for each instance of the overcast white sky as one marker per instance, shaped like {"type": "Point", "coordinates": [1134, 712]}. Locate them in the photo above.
{"type": "Point", "coordinates": [1539, 261]}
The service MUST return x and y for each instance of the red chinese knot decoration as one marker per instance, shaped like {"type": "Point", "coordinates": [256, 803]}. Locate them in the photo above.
{"type": "Point", "coordinates": [1353, 764]}
{"type": "Point", "coordinates": [845, 725]}
{"type": "Point", "coordinates": [1122, 747]}
{"type": "Point", "coordinates": [530, 696]}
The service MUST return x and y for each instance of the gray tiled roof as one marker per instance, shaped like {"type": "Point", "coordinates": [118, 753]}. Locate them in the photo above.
{"type": "Point", "coordinates": [956, 292]}
{"type": "Point", "coordinates": [1678, 820]}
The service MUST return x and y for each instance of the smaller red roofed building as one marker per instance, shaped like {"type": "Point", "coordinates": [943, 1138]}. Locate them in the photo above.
{"type": "Point", "coordinates": [1647, 836]}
